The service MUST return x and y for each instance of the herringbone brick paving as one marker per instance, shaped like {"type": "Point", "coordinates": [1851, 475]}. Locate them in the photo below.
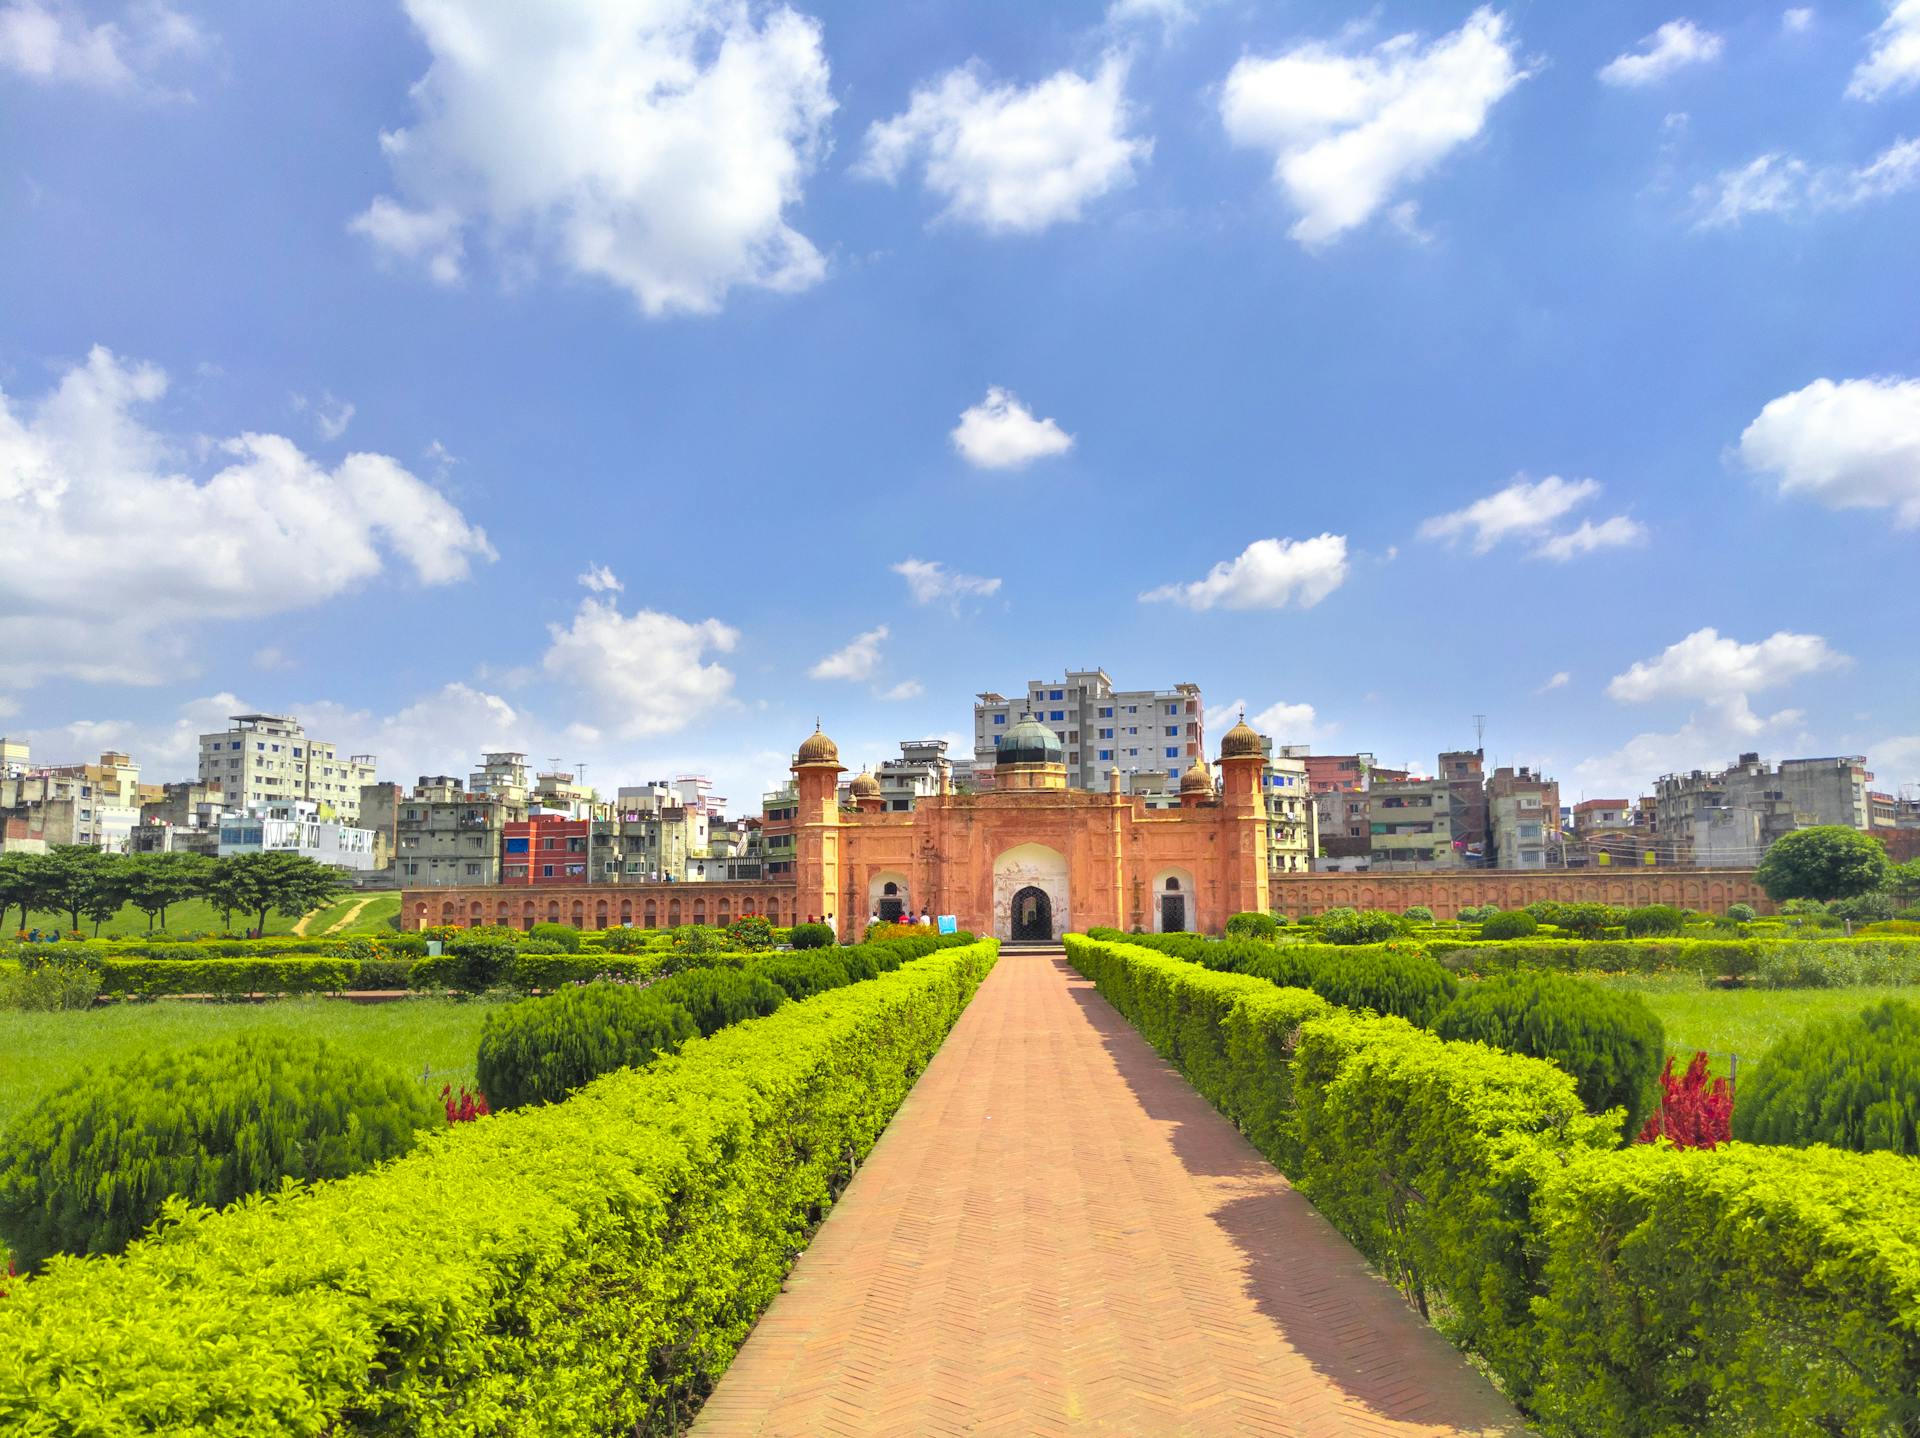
{"type": "Point", "coordinates": [1057, 1235]}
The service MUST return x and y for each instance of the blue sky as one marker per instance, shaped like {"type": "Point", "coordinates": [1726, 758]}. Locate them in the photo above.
{"type": "Point", "coordinates": [1374, 369]}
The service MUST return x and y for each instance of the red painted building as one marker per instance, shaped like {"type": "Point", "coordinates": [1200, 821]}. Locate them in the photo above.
{"type": "Point", "coordinates": [544, 850]}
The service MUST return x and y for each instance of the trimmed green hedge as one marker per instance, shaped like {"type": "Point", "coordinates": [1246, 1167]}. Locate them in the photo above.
{"type": "Point", "coordinates": [579, 1269]}
{"type": "Point", "coordinates": [1644, 1292]}
{"type": "Point", "coordinates": [228, 978]}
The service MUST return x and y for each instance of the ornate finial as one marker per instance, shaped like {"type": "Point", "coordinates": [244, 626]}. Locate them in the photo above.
{"type": "Point", "coordinates": [816, 723]}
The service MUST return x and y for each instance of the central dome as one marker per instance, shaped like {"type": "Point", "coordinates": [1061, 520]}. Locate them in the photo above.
{"type": "Point", "coordinates": [1029, 742]}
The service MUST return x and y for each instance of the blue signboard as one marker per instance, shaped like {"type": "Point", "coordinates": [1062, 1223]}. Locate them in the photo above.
{"type": "Point", "coordinates": [949, 924]}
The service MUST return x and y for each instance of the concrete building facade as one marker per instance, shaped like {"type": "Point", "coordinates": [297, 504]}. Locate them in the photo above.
{"type": "Point", "coordinates": [1730, 816]}
{"type": "Point", "coordinates": [295, 826]}
{"type": "Point", "coordinates": [1524, 811]}
{"type": "Point", "coordinates": [1101, 729]}
{"type": "Point", "coordinates": [443, 834]}
{"type": "Point", "coordinates": [270, 759]}
{"type": "Point", "coordinates": [1410, 821]}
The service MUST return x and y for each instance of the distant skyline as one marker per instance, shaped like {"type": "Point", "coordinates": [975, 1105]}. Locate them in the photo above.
{"type": "Point", "coordinates": [632, 384]}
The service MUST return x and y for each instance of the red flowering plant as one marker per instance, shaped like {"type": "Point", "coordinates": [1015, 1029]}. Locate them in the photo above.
{"type": "Point", "coordinates": [1693, 1113]}
{"type": "Point", "coordinates": [467, 1106]}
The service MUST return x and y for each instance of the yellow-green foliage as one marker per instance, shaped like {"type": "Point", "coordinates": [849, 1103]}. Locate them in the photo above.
{"type": "Point", "coordinates": [583, 1268]}
{"type": "Point", "coordinates": [1851, 1082]}
{"type": "Point", "coordinates": [1619, 1293]}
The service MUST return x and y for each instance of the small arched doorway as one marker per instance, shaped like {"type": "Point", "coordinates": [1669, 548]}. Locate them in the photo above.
{"type": "Point", "coordinates": [1032, 916]}
{"type": "Point", "coordinates": [1173, 908]}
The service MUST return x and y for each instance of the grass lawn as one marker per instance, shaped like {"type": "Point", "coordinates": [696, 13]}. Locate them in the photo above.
{"type": "Point", "coordinates": [40, 1051]}
{"type": "Point", "coordinates": [380, 916]}
{"type": "Point", "coordinates": [1746, 1022]}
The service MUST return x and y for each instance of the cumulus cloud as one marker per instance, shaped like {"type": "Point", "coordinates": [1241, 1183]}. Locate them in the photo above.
{"type": "Point", "coordinates": [1797, 20]}
{"type": "Point", "coordinates": [1349, 130]}
{"type": "Point", "coordinates": [931, 582]}
{"type": "Point", "coordinates": [1674, 46]}
{"type": "Point", "coordinates": [1893, 65]}
{"type": "Point", "coordinates": [905, 689]}
{"type": "Point", "coordinates": [271, 530]}
{"type": "Point", "coordinates": [1851, 444]}
{"type": "Point", "coordinates": [1710, 665]}
{"type": "Point", "coordinates": [1169, 15]}
{"type": "Point", "coordinates": [1559, 680]}
{"type": "Point", "coordinates": [1896, 762]}
{"type": "Point", "coordinates": [1001, 433]}
{"type": "Point", "coordinates": [601, 580]}
{"type": "Point", "coordinates": [643, 673]}
{"type": "Point", "coordinates": [1782, 184]}
{"type": "Point", "coordinates": [658, 148]}
{"type": "Point", "coordinates": [1012, 160]}
{"type": "Point", "coordinates": [856, 661]}
{"type": "Point", "coordinates": [1267, 574]}
{"type": "Point", "coordinates": [1712, 737]}
{"type": "Point", "coordinates": [55, 43]}
{"type": "Point", "coordinates": [1282, 722]}
{"type": "Point", "coordinates": [1529, 510]}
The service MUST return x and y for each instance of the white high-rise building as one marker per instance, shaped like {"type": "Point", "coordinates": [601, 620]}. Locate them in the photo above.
{"type": "Point", "coordinates": [1149, 735]}
{"type": "Point", "coordinates": [268, 759]}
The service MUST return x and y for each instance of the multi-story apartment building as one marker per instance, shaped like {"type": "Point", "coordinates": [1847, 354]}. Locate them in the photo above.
{"type": "Point", "coordinates": [914, 775]}
{"type": "Point", "coordinates": [269, 758]}
{"type": "Point", "coordinates": [1410, 821]}
{"type": "Point", "coordinates": [1291, 830]}
{"type": "Point", "coordinates": [442, 834]}
{"type": "Point", "coordinates": [1328, 773]}
{"type": "Point", "coordinates": [295, 826]}
{"type": "Point", "coordinates": [1524, 808]}
{"type": "Point", "coordinates": [779, 812]}
{"type": "Point", "coordinates": [1730, 816]}
{"type": "Point", "coordinates": [546, 849]}
{"type": "Point", "coordinates": [183, 819]}
{"type": "Point", "coordinates": [559, 792]}
{"type": "Point", "coordinates": [502, 773]}
{"type": "Point", "coordinates": [1340, 823]}
{"type": "Point", "coordinates": [1465, 771]}
{"type": "Point", "coordinates": [660, 832]}
{"type": "Point", "coordinates": [15, 758]}
{"type": "Point", "coordinates": [1137, 731]}
{"type": "Point", "coordinates": [93, 804]}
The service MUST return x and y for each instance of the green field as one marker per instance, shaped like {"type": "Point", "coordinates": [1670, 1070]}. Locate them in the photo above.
{"type": "Point", "coordinates": [195, 916]}
{"type": "Point", "coordinates": [1746, 1022]}
{"type": "Point", "coordinates": [40, 1051]}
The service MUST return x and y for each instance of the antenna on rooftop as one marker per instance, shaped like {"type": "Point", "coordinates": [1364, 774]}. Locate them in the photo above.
{"type": "Point", "coordinates": [1480, 731]}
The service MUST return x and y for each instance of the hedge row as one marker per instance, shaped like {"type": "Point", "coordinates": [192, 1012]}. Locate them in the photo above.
{"type": "Point", "coordinates": [576, 1269]}
{"type": "Point", "coordinates": [1643, 1292]}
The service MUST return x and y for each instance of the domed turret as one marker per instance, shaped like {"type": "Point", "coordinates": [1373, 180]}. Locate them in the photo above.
{"type": "Point", "coordinates": [818, 749]}
{"type": "Point", "coordinates": [1029, 742]}
{"type": "Point", "coordinates": [1241, 742]}
{"type": "Point", "coordinates": [1197, 781]}
{"type": "Point", "coordinates": [865, 786]}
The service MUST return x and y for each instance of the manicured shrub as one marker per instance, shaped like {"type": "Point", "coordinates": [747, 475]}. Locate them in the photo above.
{"type": "Point", "coordinates": [1653, 920]}
{"type": "Point", "coordinates": [718, 997]}
{"type": "Point", "coordinates": [45, 985]}
{"type": "Point", "coordinates": [1609, 1040]}
{"type": "Point", "coordinates": [547, 972]}
{"type": "Point", "coordinates": [810, 936]}
{"type": "Point", "coordinates": [1853, 1083]}
{"type": "Point", "coordinates": [626, 941]}
{"type": "Point", "coordinates": [1249, 925]}
{"type": "Point", "coordinates": [226, 978]}
{"type": "Point", "coordinates": [749, 935]}
{"type": "Point", "coordinates": [89, 1166]}
{"type": "Point", "coordinates": [803, 976]}
{"type": "Point", "coordinates": [1837, 963]}
{"type": "Point", "coordinates": [1583, 921]}
{"type": "Point", "coordinates": [1517, 924]}
{"type": "Point", "coordinates": [1406, 984]}
{"type": "Point", "coordinates": [476, 961]}
{"type": "Point", "coordinates": [387, 972]}
{"type": "Point", "coordinates": [540, 1050]}
{"type": "Point", "coordinates": [1863, 908]}
{"type": "Point", "coordinates": [570, 1271]}
{"type": "Point", "coordinates": [1741, 913]}
{"type": "Point", "coordinates": [1369, 926]}
{"type": "Point", "coordinates": [565, 935]}
{"type": "Point", "coordinates": [1417, 914]}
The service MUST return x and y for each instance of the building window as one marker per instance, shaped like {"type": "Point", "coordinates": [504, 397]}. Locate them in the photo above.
{"type": "Point", "coordinates": [1106, 733]}
{"type": "Point", "coordinates": [1106, 755]}
{"type": "Point", "coordinates": [999, 718]}
{"type": "Point", "coordinates": [1056, 694]}
{"type": "Point", "coordinates": [1173, 753]}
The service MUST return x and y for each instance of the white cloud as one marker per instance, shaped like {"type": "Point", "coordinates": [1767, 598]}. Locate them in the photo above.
{"type": "Point", "coordinates": [1169, 15]}
{"type": "Point", "coordinates": [1615, 533]}
{"type": "Point", "coordinates": [1781, 184]}
{"type": "Point", "coordinates": [1796, 21]}
{"type": "Point", "coordinates": [330, 416]}
{"type": "Point", "coordinates": [642, 673]}
{"type": "Point", "coordinates": [856, 661]}
{"type": "Point", "coordinates": [1851, 444]}
{"type": "Point", "coordinates": [1282, 722]}
{"type": "Point", "coordinates": [1711, 738]}
{"type": "Point", "coordinates": [930, 582]}
{"type": "Point", "coordinates": [601, 580]}
{"type": "Point", "coordinates": [1674, 46]}
{"type": "Point", "coordinates": [1012, 160]}
{"type": "Point", "coordinates": [1559, 680]}
{"type": "Point", "coordinates": [656, 147]}
{"type": "Point", "coordinates": [905, 689]}
{"type": "Point", "coordinates": [271, 658]}
{"type": "Point", "coordinates": [1708, 665]}
{"type": "Point", "coordinates": [271, 530]}
{"type": "Point", "coordinates": [1893, 65]}
{"type": "Point", "coordinates": [1267, 574]}
{"type": "Point", "coordinates": [55, 43]}
{"type": "Point", "coordinates": [1001, 433]}
{"type": "Point", "coordinates": [1528, 510]}
{"type": "Point", "coordinates": [1895, 762]}
{"type": "Point", "coordinates": [1349, 130]}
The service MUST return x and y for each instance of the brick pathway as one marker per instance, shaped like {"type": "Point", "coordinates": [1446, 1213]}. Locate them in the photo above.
{"type": "Point", "coordinates": [1057, 1235]}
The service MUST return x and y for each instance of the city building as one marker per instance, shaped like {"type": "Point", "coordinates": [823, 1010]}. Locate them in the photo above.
{"type": "Point", "coordinates": [1524, 811]}
{"type": "Point", "coordinates": [1327, 773]}
{"type": "Point", "coordinates": [502, 774]}
{"type": "Point", "coordinates": [1101, 729]}
{"type": "Point", "coordinates": [546, 850]}
{"type": "Point", "coordinates": [183, 818]}
{"type": "Point", "coordinates": [295, 826]}
{"type": "Point", "coordinates": [1730, 816]}
{"type": "Point", "coordinates": [558, 792]}
{"type": "Point", "coordinates": [779, 814]}
{"type": "Point", "coordinates": [97, 805]}
{"type": "Point", "coordinates": [15, 758]}
{"type": "Point", "coordinates": [1291, 828]}
{"type": "Point", "coordinates": [1472, 820]}
{"type": "Point", "coordinates": [269, 759]}
{"type": "Point", "coordinates": [916, 774]}
{"type": "Point", "coordinates": [660, 833]}
{"type": "Point", "coordinates": [444, 833]}
{"type": "Point", "coordinates": [1410, 822]}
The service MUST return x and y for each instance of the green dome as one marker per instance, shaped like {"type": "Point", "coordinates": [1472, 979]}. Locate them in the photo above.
{"type": "Point", "coordinates": [1029, 742]}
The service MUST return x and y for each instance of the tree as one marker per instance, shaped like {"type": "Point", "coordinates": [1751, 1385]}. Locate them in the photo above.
{"type": "Point", "coordinates": [1905, 882]}
{"type": "Point", "coordinates": [151, 882]}
{"type": "Point", "coordinates": [76, 880]}
{"type": "Point", "coordinates": [260, 884]}
{"type": "Point", "coordinates": [1825, 862]}
{"type": "Point", "coordinates": [21, 882]}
